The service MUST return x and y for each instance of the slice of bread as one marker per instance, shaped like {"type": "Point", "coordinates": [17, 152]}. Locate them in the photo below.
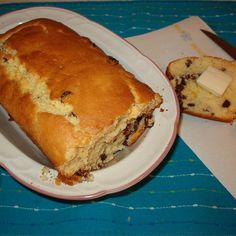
{"type": "Point", "coordinates": [194, 99]}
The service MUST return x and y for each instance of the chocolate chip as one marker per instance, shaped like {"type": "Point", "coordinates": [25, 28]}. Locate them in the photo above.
{"type": "Point", "coordinates": [112, 60]}
{"type": "Point", "coordinates": [179, 88]}
{"type": "Point", "coordinates": [205, 109]}
{"type": "Point", "coordinates": [65, 94]}
{"type": "Point", "coordinates": [183, 80]}
{"type": "Point", "coordinates": [188, 63]}
{"type": "Point", "coordinates": [83, 173]}
{"type": "Point", "coordinates": [188, 77]}
{"type": "Point", "coordinates": [5, 59]}
{"type": "Point", "coordinates": [2, 49]}
{"type": "Point", "coordinates": [194, 76]}
{"type": "Point", "coordinates": [226, 103]}
{"type": "Point", "coordinates": [94, 45]}
{"type": "Point", "coordinates": [103, 157]}
{"type": "Point", "coordinates": [72, 114]}
{"type": "Point", "coordinates": [191, 104]}
{"type": "Point", "coordinates": [223, 69]}
{"type": "Point", "coordinates": [10, 118]}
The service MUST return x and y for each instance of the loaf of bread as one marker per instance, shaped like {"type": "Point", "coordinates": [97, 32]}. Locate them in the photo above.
{"type": "Point", "coordinates": [195, 99]}
{"type": "Point", "coordinates": [77, 104]}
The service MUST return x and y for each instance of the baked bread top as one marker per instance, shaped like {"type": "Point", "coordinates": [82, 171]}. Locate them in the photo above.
{"type": "Point", "coordinates": [63, 90]}
{"type": "Point", "coordinates": [60, 57]}
{"type": "Point", "coordinates": [196, 100]}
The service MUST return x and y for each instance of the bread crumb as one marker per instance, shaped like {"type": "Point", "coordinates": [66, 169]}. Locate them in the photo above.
{"type": "Point", "coordinates": [45, 174]}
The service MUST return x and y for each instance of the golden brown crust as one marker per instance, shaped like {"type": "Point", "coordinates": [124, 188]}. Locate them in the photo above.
{"type": "Point", "coordinates": [44, 46]}
{"type": "Point", "coordinates": [209, 116]}
{"type": "Point", "coordinates": [92, 86]}
{"type": "Point", "coordinates": [18, 105]}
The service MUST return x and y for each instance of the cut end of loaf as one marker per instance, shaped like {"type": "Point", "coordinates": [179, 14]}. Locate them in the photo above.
{"type": "Point", "coordinates": [124, 132]}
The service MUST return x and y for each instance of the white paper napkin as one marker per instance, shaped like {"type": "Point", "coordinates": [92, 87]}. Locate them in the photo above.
{"type": "Point", "coordinates": [213, 142]}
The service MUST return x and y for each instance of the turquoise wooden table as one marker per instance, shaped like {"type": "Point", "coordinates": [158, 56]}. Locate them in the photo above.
{"type": "Point", "coordinates": [181, 197]}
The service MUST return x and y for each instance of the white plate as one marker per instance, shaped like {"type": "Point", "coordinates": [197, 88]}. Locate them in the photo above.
{"type": "Point", "coordinates": [22, 159]}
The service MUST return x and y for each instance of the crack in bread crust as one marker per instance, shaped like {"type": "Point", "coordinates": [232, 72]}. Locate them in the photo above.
{"type": "Point", "coordinates": [33, 85]}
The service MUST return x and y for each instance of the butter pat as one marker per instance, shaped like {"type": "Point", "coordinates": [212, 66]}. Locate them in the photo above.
{"type": "Point", "coordinates": [214, 80]}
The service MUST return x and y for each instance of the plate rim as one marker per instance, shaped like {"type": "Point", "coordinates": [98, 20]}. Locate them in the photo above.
{"type": "Point", "coordinates": [101, 193]}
